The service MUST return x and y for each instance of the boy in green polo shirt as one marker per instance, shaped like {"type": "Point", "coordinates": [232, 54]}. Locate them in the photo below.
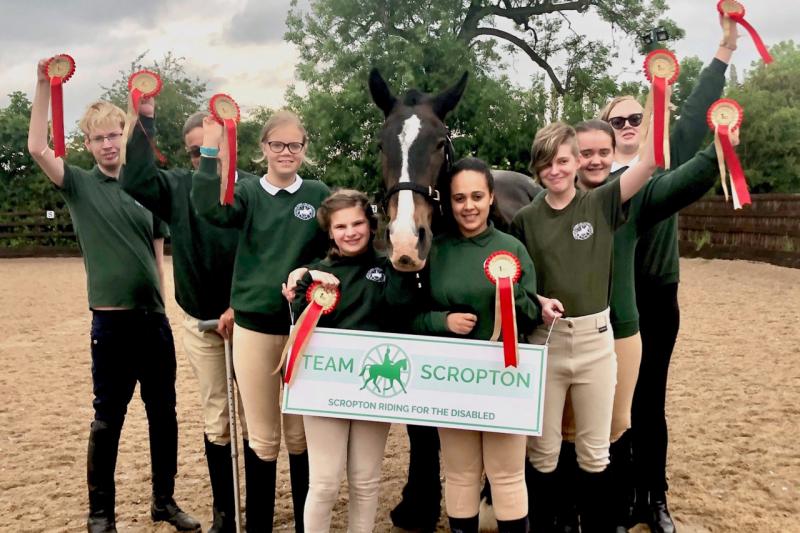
{"type": "Point", "coordinates": [131, 337]}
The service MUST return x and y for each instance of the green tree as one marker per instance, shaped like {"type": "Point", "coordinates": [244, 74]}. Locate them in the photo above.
{"type": "Point", "coordinates": [770, 142]}
{"type": "Point", "coordinates": [427, 45]}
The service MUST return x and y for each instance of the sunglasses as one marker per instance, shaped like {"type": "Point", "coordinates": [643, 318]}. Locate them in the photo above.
{"type": "Point", "coordinates": [619, 122]}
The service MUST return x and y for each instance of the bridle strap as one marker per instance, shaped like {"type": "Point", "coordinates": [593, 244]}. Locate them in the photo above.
{"type": "Point", "coordinates": [428, 192]}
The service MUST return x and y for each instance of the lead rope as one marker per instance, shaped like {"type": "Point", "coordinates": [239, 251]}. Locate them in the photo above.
{"type": "Point", "coordinates": [547, 341]}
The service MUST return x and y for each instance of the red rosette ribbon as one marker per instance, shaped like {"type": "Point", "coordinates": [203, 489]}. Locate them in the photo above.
{"type": "Point", "coordinates": [735, 11]}
{"type": "Point", "coordinates": [321, 301]}
{"type": "Point", "coordinates": [503, 269]}
{"type": "Point", "coordinates": [726, 115]}
{"type": "Point", "coordinates": [661, 68]}
{"type": "Point", "coordinates": [60, 68]}
{"type": "Point", "coordinates": [226, 111]}
{"type": "Point", "coordinates": [141, 84]}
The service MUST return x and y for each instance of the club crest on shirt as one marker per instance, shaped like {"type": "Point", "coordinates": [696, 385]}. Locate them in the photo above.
{"type": "Point", "coordinates": [376, 274]}
{"type": "Point", "coordinates": [304, 211]}
{"type": "Point", "coordinates": [582, 231]}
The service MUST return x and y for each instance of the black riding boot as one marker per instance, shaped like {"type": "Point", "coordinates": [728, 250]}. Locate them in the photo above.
{"type": "Point", "coordinates": [463, 525]}
{"type": "Point", "coordinates": [298, 474]}
{"type": "Point", "coordinates": [420, 506]}
{"type": "Point", "coordinates": [542, 490]}
{"type": "Point", "coordinates": [594, 502]}
{"type": "Point", "coordinates": [101, 461]}
{"type": "Point", "coordinates": [220, 472]}
{"type": "Point", "coordinates": [621, 479]}
{"type": "Point", "coordinates": [660, 521]}
{"type": "Point", "coordinates": [260, 496]}
{"type": "Point", "coordinates": [520, 525]}
{"type": "Point", "coordinates": [566, 478]}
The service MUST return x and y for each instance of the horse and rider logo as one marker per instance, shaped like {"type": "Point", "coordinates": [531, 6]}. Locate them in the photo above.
{"type": "Point", "coordinates": [304, 211]}
{"type": "Point", "coordinates": [386, 370]}
{"type": "Point", "coordinates": [582, 231]}
{"type": "Point", "coordinates": [376, 274]}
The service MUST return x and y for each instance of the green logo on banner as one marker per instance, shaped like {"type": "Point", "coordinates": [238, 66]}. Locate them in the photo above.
{"type": "Point", "coordinates": [386, 370]}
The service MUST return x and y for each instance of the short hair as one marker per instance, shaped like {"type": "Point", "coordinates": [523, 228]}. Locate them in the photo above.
{"type": "Point", "coordinates": [345, 199]}
{"type": "Point", "coordinates": [195, 120]}
{"type": "Point", "coordinates": [606, 112]}
{"type": "Point", "coordinates": [279, 118]}
{"type": "Point", "coordinates": [546, 144]}
{"type": "Point", "coordinates": [101, 114]}
{"type": "Point", "coordinates": [597, 125]}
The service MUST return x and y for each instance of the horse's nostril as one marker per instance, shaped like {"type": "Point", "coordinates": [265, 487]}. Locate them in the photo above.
{"type": "Point", "coordinates": [405, 260]}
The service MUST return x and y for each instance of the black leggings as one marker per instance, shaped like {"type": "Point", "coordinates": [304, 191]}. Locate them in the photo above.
{"type": "Point", "coordinates": [659, 320]}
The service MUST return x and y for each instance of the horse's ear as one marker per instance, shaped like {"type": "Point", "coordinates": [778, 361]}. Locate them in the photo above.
{"type": "Point", "coordinates": [447, 100]}
{"type": "Point", "coordinates": [381, 94]}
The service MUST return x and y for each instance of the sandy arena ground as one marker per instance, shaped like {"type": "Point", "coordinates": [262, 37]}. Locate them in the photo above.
{"type": "Point", "coordinates": [734, 406]}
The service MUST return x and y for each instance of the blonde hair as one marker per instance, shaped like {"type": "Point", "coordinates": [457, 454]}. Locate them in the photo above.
{"type": "Point", "coordinates": [101, 114]}
{"type": "Point", "coordinates": [606, 112]}
{"type": "Point", "coordinates": [279, 118]}
{"type": "Point", "coordinates": [546, 144]}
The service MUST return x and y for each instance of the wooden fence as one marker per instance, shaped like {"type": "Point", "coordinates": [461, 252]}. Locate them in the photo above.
{"type": "Point", "coordinates": [768, 230]}
{"type": "Point", "coordinates": [37, 233]}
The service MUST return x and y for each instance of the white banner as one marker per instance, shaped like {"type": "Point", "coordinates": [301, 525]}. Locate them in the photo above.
{"type": "Point", "coordinates": [414, 379]}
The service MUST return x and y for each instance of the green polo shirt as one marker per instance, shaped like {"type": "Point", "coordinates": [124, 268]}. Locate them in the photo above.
{"type": "Point", "coordinates": [202, 254]}
{"type": "Point", "coordinates": [278, 232]}
{"type": "Point", "coordinates": [458, 284]}
{"type": "Point", "coordinates": [115, 235]}
{"type": "Point", "coordinates": [372, 294]}
{"type": "Point", "coordinates": [572, 247]}
{"type": "Point", "coordinates": [657, 253]}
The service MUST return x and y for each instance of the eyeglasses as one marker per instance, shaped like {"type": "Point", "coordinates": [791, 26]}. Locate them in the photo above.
{"type": "Point", "coordinates": [278, 146]}
{"type": "Point", "coordinates": [619, 122]}
{"type": "Point", "coordinates": [193, 151]}
{"type": "Point", "coordinates": [100, 139]}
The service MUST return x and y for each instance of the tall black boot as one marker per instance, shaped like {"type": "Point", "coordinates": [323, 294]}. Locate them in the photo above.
{"type": "Point", "coordinates": [621, 479]}
{"type": "Point", "coordinates": [566, 478]}
{"type": "Point", "coordinates": [463, 525]}
{"type": "Point", "coordinates": [520, 525]}
{"type": "Point", "coordinates": [660, 520]}
{"type": "Point", "coordinates": [101, 461]}
{"type": "Point", "coordinates": [220, 472]}
{"type": "Point", "coordinates": [594, 502]}
{"type": "Point", "coordinates": [298, 474]}
{"type": "Point", "coordinates": [260, 496]}
{"type": "Point", "coordinates": [420, 506]}
{"type": "Point", "coordinates": [541, 499]}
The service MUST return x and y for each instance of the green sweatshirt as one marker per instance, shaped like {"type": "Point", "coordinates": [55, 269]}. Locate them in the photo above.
{"type": "Point", "coordinates": [202, 254]}
{"type": "Point", "coordinates": [278, 233]}
{"type": "Point", "coordinates": [657, 253]}
{"type": "Point", "coordinates": [372, 294]}
{"type": "Point", "coordinates": [662, 197]}
{"type": "Point", "coordinates": [458, 284]}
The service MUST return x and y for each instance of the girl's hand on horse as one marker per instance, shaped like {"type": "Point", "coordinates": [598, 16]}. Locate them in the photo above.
{"type": "Point", "coordinates": [552, 309]}
{"type": "Point", "coordinates": [327, 279]}
{"type": "Point", "coordinates": [212, 132]}
{"type": "Point", "coordinates": [461, 323]}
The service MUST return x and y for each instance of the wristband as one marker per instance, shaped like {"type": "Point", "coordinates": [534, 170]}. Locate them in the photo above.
{"type": "Point", "coordinates": [206, 151]}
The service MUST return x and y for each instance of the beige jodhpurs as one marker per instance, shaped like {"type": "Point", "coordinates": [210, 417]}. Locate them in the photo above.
{"type": "Point", "coordinates": [629, 357]}
{"type": "Point", "coordinates": [336, 444]}
{"type": "Point", "coordinates": [206, 353]}
{"type": "Point", "coordinates": [255, 356]}
{"type": "Point", "coordinates": [466, 455]}
{"type": "Point", "coordinates": [581, 363]}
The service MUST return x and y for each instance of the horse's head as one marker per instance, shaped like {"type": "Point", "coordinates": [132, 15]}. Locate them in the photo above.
{"type": "Point", "coordinates": [415, 150]}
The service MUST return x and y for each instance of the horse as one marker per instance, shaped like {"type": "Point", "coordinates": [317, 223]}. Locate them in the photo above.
{"type": "Point", "coordinates": [416, 153]}
{"type": "Point", "coordinates": [387, 370]}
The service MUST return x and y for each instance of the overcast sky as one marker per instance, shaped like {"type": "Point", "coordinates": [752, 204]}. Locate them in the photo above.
{"type": "Point", "coordinates": [237, 45]}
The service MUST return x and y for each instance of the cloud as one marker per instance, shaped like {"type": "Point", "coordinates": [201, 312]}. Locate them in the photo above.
{"type": "Point", "coordinates": [258, 23]}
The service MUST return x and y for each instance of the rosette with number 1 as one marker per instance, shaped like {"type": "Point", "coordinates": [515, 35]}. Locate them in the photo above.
{"type": "Point", "coordinates": [735, 11]}
{"type": "Point", "coordinates": [503, 270]}
{"type": "Point", "coordinates": [661, 68]}
{"type": "Point", "coordinates": [321, 301]}
{"type": "Point", "coordinates": [226, 111]}
{"type": "Point", "coordinates": [726, 115]}
{"type": "Point", "coordinates": [60, 68]}
{"type": "Point", "coordinates": [141, 84]}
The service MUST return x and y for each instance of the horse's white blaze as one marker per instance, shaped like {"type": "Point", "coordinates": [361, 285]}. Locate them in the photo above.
{"type": "Point", "coordinates": [403, 231]}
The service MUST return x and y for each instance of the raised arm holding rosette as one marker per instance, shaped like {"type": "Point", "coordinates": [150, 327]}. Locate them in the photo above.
{"type": "Point", "coordinates": [226, 111]}
{"type": "Point", "coordinates": [735, 11]}
{"type": "Point", "coordinates": [724, 118]}
{"type": "Point", "coordinates": [322, 301]}
{"type": "Point", "coordinates": [504, 270]}
{"type": "Point", "coordinates": [662, 69]}
{"type": "Point", "coordinates": [60, 69]}
{"type": "Point", "coordinates": [141, 84]}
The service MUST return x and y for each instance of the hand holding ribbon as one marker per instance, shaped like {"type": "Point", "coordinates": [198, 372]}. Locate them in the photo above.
{"type": "Point", "coordinates": [735, 11]}
{"type": "Point", "coordinates": [724, 118]}
{"type": "Point", "coordinates": [143, 87]}
{"type": "Point", "coordinates": [59, 69]}
{"type": "Point", "coordinates": [226, 111]}
{"type": "Point", "coordinates": [662, 69]}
